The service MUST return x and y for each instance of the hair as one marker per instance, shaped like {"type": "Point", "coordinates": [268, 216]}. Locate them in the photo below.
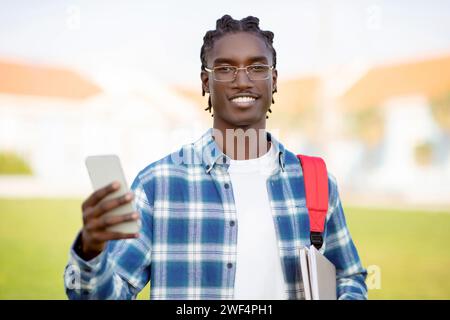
{"type": "Point", "coordinates": [228, 25]}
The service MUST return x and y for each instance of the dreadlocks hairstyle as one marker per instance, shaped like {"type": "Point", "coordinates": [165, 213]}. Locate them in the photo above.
{"type": "Point", "coordinates": [227, 25]}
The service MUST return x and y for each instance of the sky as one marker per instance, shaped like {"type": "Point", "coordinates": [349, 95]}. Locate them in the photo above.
{"type": "Point", "coordinates": [164, 38]}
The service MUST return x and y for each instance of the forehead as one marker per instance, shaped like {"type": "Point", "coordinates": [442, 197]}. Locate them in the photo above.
{"type": "Point", "coordinates": [239, 47]}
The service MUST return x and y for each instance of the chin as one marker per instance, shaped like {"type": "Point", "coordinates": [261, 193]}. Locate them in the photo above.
{"type": "Point", "coordinates": [245, 121]}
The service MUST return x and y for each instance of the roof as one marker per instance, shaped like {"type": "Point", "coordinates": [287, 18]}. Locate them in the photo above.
{"type": "Point", "coordinates": [426, 77]}
{"type": "Point", "coordinates": [27, 79]}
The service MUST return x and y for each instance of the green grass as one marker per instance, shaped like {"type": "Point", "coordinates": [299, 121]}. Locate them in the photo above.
{"type": "Point", "coordinates": [409, 247]}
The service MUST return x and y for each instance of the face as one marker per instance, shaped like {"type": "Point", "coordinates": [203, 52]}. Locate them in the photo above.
{"type": "Point", "coordinates": [240, 50]}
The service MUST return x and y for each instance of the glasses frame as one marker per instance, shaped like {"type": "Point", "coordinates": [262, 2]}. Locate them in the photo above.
{"type": "Point", "coordinates": [237, 70]}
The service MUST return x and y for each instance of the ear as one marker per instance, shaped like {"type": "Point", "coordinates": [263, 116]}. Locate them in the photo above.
{"type": "Point", "coordinates": [204, 76]}
{"type": "Point", "coordinates": [274, 79]}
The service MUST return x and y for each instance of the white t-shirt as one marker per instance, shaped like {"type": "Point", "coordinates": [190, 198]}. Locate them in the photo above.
{"type": "Point", "coordinates": [258, 267]}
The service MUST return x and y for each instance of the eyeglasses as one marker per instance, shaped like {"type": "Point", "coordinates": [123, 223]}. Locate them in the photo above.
{"type": "Point", "coordinates": [228, 73]}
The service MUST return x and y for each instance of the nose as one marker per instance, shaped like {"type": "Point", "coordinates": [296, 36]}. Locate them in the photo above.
{"type": "Point", "coordinates": [242, 80]}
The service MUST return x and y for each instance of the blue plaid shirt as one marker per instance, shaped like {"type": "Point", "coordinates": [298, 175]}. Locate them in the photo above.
{"type": "Point", "coordinates": [187, 245]}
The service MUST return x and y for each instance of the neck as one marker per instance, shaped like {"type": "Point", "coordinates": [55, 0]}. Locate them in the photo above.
{"type": "Point", "coordinates": [243, 142]}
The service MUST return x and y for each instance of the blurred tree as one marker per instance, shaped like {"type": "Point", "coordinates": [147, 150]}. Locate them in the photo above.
{"type": "Point", "coordinates": [440, 108]}
{"type": "Point", "coordinates": [11, 163]}
{"type": "Point", "coordinates": [366, 124]}
{"type": "Point", "coordinates": [423, 153]}
{"type": "Point", "coordinates": [303, 119]}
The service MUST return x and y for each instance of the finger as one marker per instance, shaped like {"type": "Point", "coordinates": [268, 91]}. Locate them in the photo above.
{"type": "Point", "coordinates": [87, 214]}
{"type": "Point", "coordinates": [99, 194]}
{"type": "Point", "coordinates": [106, 222]}
{"type": "Point", "coordinates": [99, 224]}
{"type": "Point", "coordinates": [108, 205]}
{"type": "Point", "coordinates": [109, 235]}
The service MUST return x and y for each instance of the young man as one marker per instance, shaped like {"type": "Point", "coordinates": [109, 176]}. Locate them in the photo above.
{"type": "Point", "coordinates": [224, 217]}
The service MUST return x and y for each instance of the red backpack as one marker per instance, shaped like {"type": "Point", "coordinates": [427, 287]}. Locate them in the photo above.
{"type": "Point", "coordinates": [316, 190]}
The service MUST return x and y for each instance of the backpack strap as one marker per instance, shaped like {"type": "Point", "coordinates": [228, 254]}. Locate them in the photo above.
{"type": "Point", "coordinates": [315, 178]}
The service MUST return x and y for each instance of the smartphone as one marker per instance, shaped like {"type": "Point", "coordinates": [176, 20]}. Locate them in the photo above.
{"type": "Point", "coordinates": [103, 170]}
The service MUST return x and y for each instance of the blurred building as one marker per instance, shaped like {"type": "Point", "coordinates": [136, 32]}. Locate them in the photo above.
{"type": "Point", "coordinates": [406, 154]}
{"type": "Point", "coordinates": [54, 118]}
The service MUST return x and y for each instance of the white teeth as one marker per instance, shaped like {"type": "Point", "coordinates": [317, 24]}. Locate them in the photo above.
{"type": "Point", "coordinates": [243, 99]}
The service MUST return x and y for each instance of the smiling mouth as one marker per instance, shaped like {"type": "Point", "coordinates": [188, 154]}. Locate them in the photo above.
{"type": "Point", "coordinates": [243, 101]}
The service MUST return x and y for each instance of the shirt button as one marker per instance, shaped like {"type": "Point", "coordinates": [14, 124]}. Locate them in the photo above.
{"type": "Point", "coordinates": [232, 223]}
{"type": "Point", "coordinates": [226, 185]}
{"type": "Point", "coordinates": [229, 265]}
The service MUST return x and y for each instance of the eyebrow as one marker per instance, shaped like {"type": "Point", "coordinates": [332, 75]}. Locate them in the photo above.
{"type": "Point", "coordinates": [252, 59]}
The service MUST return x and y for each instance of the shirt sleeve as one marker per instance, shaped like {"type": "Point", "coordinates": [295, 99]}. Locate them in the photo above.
{"type": "Point", "coordinates": [122, 270]}
{"type": "Point", "coordinates": [339, 248]}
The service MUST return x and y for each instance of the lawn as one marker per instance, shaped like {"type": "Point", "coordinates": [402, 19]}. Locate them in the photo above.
{"type": "Point", "coordinates": [410, 248]}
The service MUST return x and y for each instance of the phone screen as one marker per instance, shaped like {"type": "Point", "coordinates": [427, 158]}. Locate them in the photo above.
{"type": "Point", "coordinates": [103, 170]}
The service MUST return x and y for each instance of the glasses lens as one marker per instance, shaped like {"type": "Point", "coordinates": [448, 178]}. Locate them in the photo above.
{"type": "Point", "coordinates": [225, 73]}
{"type": "Point", "coordinates": [255, 72]}
{"type": "Point", "coordinates": [258, 72]}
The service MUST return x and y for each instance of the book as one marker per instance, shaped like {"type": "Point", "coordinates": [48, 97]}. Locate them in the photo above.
{"type": "Point", "coordinates": [319, 275]}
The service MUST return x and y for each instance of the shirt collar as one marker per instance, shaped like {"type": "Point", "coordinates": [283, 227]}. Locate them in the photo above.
{"type": "Point", "coordinates": [207, 149]}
